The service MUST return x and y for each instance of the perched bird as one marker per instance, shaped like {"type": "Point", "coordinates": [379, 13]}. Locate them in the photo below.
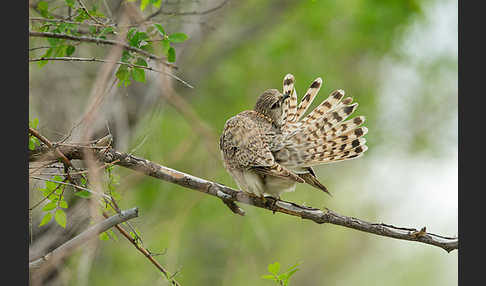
{"type": "Point", "coordinates": [269, 149]}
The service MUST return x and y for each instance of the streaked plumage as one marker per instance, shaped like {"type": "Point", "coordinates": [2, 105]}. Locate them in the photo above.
{"type": "Point", "coordinates": [270, 149]}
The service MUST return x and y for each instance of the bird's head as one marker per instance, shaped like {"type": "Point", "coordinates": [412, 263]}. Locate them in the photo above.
{"type": "Point", "coordinates": [270, 104]}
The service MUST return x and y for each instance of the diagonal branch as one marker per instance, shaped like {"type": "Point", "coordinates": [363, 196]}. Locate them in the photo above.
{"type": "Point", "coordinates": [145, 252]}
{"type": "Point", "coordinates": [86, 235]}
{"type": "Point", "coordinates": [229, 196]}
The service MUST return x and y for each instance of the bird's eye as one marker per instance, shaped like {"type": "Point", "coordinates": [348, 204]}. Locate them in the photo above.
{"type": "Point", "coordinates": [275, 105]}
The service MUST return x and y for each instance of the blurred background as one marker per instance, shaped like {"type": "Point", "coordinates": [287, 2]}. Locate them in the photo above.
{"type": "Point", "coordinates": [398, 59]}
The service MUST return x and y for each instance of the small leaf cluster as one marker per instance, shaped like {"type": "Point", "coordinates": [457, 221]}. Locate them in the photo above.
{"type": "Point", "coordinates": [54, 194]}
{"type": "Point", "coordinates": [83, 193]}
{"type": "Point", "coordinates": [134, 69]}
{"type": "Point", "coordinates": [106, 235]}
{"type": "Point", "coordinates": [33, 141]}
{"type": "Point", "coordinates": [167, 39]}
{"type": "Point", "coordinates": [127, 72]}
{"type": "Point", "coordinates": [143, 40]}
{"type": "Point", "coordinates": [63, 47]}
{"type": "Point", "coordinates": [282, 278]}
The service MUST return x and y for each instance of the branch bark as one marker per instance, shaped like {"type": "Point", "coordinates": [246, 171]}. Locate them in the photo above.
{"type": "Point", "coordinates": [86, 235]}
{"type": "Point", "coordinates": [229, 196]}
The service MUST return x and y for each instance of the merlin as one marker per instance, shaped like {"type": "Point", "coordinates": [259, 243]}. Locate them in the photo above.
{"type": "Point", "coordinates": [269, 149]}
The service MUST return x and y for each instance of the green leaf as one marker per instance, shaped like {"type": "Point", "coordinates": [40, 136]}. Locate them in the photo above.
{"type": "Point", "coordinates": [122, 73]}
{"type": "Point", "coordinates": [70, 3]}
{"type": "Point", "coordinates": [58, 191]}
{"type": "Point", "coordinates": [50, 185]}
{"type": "Point", "coordinates": [60, 217]}
{"type": "Point", "coordinates": [126, 56]}
{"type": "Point", "coordinates": [53, 41]}
{"type": "Point", "coordinates": [293, 266]}
{"type": "Point", "coordinates": [143, 4]}
{"type": "Point", "coordinates": [63, 204]}
{"type": "Point", "coordinates": [274, 268]}
{"type": "Point", "coordinates": [83, 194]}
{"type": "Point", "coordinates": [141, 62]}
{"type": "Point", "coordinates": [53, 198]}
{"type": "Point", "coordinates": [35, 122]}
{"type": "Point", "coordinates": [70, 50]}
{"type": "Point", "coordinates": [178, 37]}
{"type": "Point", "coordinates": [104, 236]}
{"type": "Point", "coordinates": [47, 218]}
{"type": "Point", "coordinates": [31, 143]}
{"type": "Point", "coordinates": [138, 74]}
{"type": "Point", "coordinates": [165, 46]}
{"type": "Point", "coordinates": [171, 55]}
{"type": "Point", "coordinates": [45, 192]}
{"type": "Point", "coordinates": [160, 29]}
{"type": "Point", "coordinates": [156, 3]}
{"type": "Point", "coordinates": [60, 51]}
{"type": "Point", "coordinates": [42, 7]}
{"type": "Point", "coordinates": [49, 206]}
{"type": "Point", "coordinates": [269, 277]}
{"type": "Point", "coordinates": [142, 36]}
{"type": "Point", "coordinates": [292, 272]}
{"type": "Point", "coordinates": [46, 55]}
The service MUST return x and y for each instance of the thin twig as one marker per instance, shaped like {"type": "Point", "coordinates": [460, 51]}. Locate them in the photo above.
{"type": "Point", "coordinates": [161, 11]}
{"type": "Point", "coordinates": [49, 144]}
{"type": "Point", "coordinates": [41, 19]}
{"type": "Point", "coordinates": [89, 14]}
{"type": "Point", "coordinates": [72, 185]}
{"type": "Point", "coordinates": [227, 195]}
{"type": "Point", "coordinates": [73, 59]}
{"type": "Point", "coordinates": [99, 41]}
{"type": "Point", "coordinates": [47, 196]}
{"type": "Point", "coordinates": [86, 235]}
{"type": "Point", "coordinates": [144, 252]}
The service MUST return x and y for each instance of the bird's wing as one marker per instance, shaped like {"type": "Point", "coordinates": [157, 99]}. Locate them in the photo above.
{"type": "Point", "coordinates": [245, 145]}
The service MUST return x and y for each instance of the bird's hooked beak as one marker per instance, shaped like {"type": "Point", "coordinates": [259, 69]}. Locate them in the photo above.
{"type": "Point", "coordinates": [285, 96]}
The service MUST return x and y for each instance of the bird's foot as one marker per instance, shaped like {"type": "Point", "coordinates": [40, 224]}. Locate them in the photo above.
{"type": "Point", "coordinates": [270, 202]}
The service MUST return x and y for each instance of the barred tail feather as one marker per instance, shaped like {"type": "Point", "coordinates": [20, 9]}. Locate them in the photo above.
{"type": "Point", "coordinates": [316, 129]}
{"type": "Point", "coordinates": [308, 99]}
{"type": "Point", "coordinates": [323, 158]}
{"type": "Point", "coordinates": [290, 105]}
